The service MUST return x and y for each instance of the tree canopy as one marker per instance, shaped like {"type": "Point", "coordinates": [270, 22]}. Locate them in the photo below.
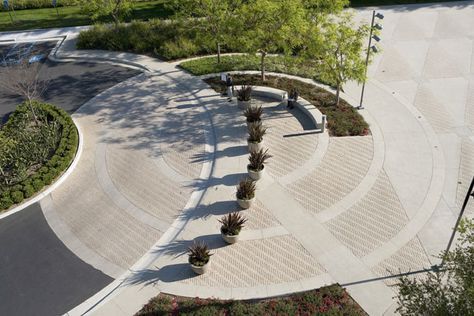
{"type": "Point", "coordinates": [99, 9]}
{"type": "Point", "coordinates": [339, 46]}
{"type": "Point", "coordinates": [448, 291]}
{"type": "Point", "coordinates": [271, 26]}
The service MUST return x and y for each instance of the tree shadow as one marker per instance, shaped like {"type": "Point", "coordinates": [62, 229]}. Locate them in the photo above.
{"type": "Point", "coordinates": [203, 211]}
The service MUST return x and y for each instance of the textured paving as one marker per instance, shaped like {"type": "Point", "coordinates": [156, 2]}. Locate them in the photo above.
{"type": "Point", "coordinates": [289, 147]}
{"type": "Point", "coordinates": [411, 257]}
{"type": "Point", "coordinates": [343, 166]}
{"type": "Point", "coordinates": [395, 194]}
{"type": "Point", "coordinates": [371, 222]}
{"type": "Point", "coordinates": [280, 259]}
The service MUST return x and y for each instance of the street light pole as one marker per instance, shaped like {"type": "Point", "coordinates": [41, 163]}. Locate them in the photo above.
{"type": "Point", "coordinates": [369, 46]}
{"type": "Point", "coordinates": [470, 193]}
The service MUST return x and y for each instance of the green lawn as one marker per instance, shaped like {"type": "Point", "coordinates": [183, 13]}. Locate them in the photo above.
{"type": "Point", "coordinates": [71, 16]}
{"type": "Point", "coordinates": [282, 64]}
{"type": "Point", "coordinates": [364, 3]}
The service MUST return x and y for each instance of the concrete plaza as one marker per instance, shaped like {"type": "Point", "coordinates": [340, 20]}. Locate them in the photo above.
{"type": "Point", "coordinates": [162, 153]}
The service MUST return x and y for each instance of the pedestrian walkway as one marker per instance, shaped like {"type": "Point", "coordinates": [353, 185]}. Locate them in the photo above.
{"type": "Point", "coordinates": [163, 152]}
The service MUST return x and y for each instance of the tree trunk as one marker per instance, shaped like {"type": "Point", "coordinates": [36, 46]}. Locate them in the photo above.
{"type": "Point", "coordinates": [218, 52]}
{"type": "Point", "coordinates": [338, 91]}
{"type": "Point", "coordinates": [262, 64]}
{"type": "Point", "coordinates": [33, 112]}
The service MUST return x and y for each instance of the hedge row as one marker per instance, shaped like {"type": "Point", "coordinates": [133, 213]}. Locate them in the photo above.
{"type": "Point", "coordinates": [54, 167]}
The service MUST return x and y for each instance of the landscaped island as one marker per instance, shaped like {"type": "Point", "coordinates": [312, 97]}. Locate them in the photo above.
{"type": "Point", "coordinates": [331, 300]}
{"type": "Point", "coordinates": [38, 142]}
{"type": "Point", "coordinates": [342, 120]}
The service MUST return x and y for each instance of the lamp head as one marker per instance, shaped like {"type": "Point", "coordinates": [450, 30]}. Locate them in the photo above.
{"type": "Point", "coordinates": [379, 16]}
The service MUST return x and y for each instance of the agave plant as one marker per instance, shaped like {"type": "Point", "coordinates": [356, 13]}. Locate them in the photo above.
{"type": "Point", "coordinates": [198, 254]}
{"type": "Point", "coordinates": [244, 93]}
{"type": "Point", "coordinates": [256, 132]}
{"type": "Point", "coordinates": [253, 114]}
{"type": "Point", "coordinates": [257, 159]}
{"type": "Point", "coordinates": [232, 224]}
{"type": "Point", "coordinates": [246, 189]}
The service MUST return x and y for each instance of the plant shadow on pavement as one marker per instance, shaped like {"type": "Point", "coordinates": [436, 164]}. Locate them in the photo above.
{"type": "Point", "coordinates": [173, 272]}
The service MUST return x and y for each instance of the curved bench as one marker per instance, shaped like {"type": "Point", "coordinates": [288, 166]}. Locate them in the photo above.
{"type": "Point", "coordinates": [318, 119]}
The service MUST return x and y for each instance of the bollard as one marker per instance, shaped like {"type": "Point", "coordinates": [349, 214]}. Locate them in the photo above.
{"type": "Point", "coordinates": [323, 123]}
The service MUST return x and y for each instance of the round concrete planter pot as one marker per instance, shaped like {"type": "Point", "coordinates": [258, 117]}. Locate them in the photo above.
{"type": "Point", "coordinates": [200, 269]}
{"type": "Point", "coordinates": [243, 105]}
{"type": "Point", "coordinates": [254, 146]}
{"type": "Point", "coordinates": [255, 175]}
{"type": "Point", "coordinates": [230, 239]}
{"type": "Point", "coordinates": [245, 204]}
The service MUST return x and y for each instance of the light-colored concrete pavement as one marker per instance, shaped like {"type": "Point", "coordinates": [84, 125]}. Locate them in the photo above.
{"type": "Point", "coordinates": [163, 152]}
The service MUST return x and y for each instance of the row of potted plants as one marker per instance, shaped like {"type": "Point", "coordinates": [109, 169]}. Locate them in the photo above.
{"type": "Point", "coordinates": [232, 224]}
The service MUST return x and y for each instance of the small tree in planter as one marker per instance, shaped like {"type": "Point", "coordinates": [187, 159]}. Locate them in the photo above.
{"type": "Point", "coordinates": [253, 114]}
{"type": "Point", "coordinates": [256, 164]}
{"type": "Point", "coordinates": [246, 193]}
{"type": "Point", "coordinates": [244, 94]}
{"type": "Point", "coordinates": [232, 224]}
{"type": "Point", "coordinates": [256, 132]}
{"type": "Point", "coordinates": [199, 257]}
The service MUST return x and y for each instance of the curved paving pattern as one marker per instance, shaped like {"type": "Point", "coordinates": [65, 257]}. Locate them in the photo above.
{"type": "Point", "coordinates": [372, 221]}
{"type": "Point", "coordinates": [280, 259]}
{"type": "Point", "coordinates": [412, 257]}
{"type": "Point", "coordinates": [160, 196]}
{"type": "Point", "coordinates": [290, 149]}
{"type": "Point", "coordinates": [343, 167]}
{"type": "Point", "coordinates": [402, 219]}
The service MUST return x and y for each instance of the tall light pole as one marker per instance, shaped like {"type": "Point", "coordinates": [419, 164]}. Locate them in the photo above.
{"type": "Point", "coordinates": [373, 26]}
{"type": "Point", "coordinates": [470, 193]}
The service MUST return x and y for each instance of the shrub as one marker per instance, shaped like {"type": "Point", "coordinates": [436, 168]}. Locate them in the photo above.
{"type": "Point", "coordinates": [253, 114]}
{"type": "Point", "coordinates": [199, 254]}
{"type": "Point", "coordinates": [40, 154]}
{"type": "Point", "coordinates": [180, 48]}
{"type": "Point", "coordinates": [256, 132]}
{"type": "Point", "coordinates": [244, 93]}
{"type": "Point", "coordinates": [232, 224]}
{"type": "Point", "coordinates": [330, 300]}
{"type": "Point", "coordinates": [5, 202]}
{"type": "Point", "coordinates": [257, 159]}
{"type": "Point", "coordinates": [246, 189]}
{"type": "Point", "coordinates": [17, 196]}
{"type": "Point", "coordinates": [38, 184]}
{"type": "Point", "coordinates": [28, 190]}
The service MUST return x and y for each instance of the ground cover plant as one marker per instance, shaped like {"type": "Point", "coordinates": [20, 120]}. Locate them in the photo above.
{"type": "Point", "coordinates": [342, 120]}
{"type": "Point", "coordinates": [158, 38]}
{"type": "Point", "coordinates": [331, 300]}
{"type": "Point", "coordinates": [32, 154]}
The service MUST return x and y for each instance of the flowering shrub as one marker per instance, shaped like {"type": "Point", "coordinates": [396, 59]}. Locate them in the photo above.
{"type": "Point", "coordinates": [331, 300]}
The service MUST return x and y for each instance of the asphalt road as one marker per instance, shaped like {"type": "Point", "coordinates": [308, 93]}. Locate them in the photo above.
{"type": "Point", "coordinates": [69, 84]}
{"type": "Point", "coordinates": [38, 274]}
